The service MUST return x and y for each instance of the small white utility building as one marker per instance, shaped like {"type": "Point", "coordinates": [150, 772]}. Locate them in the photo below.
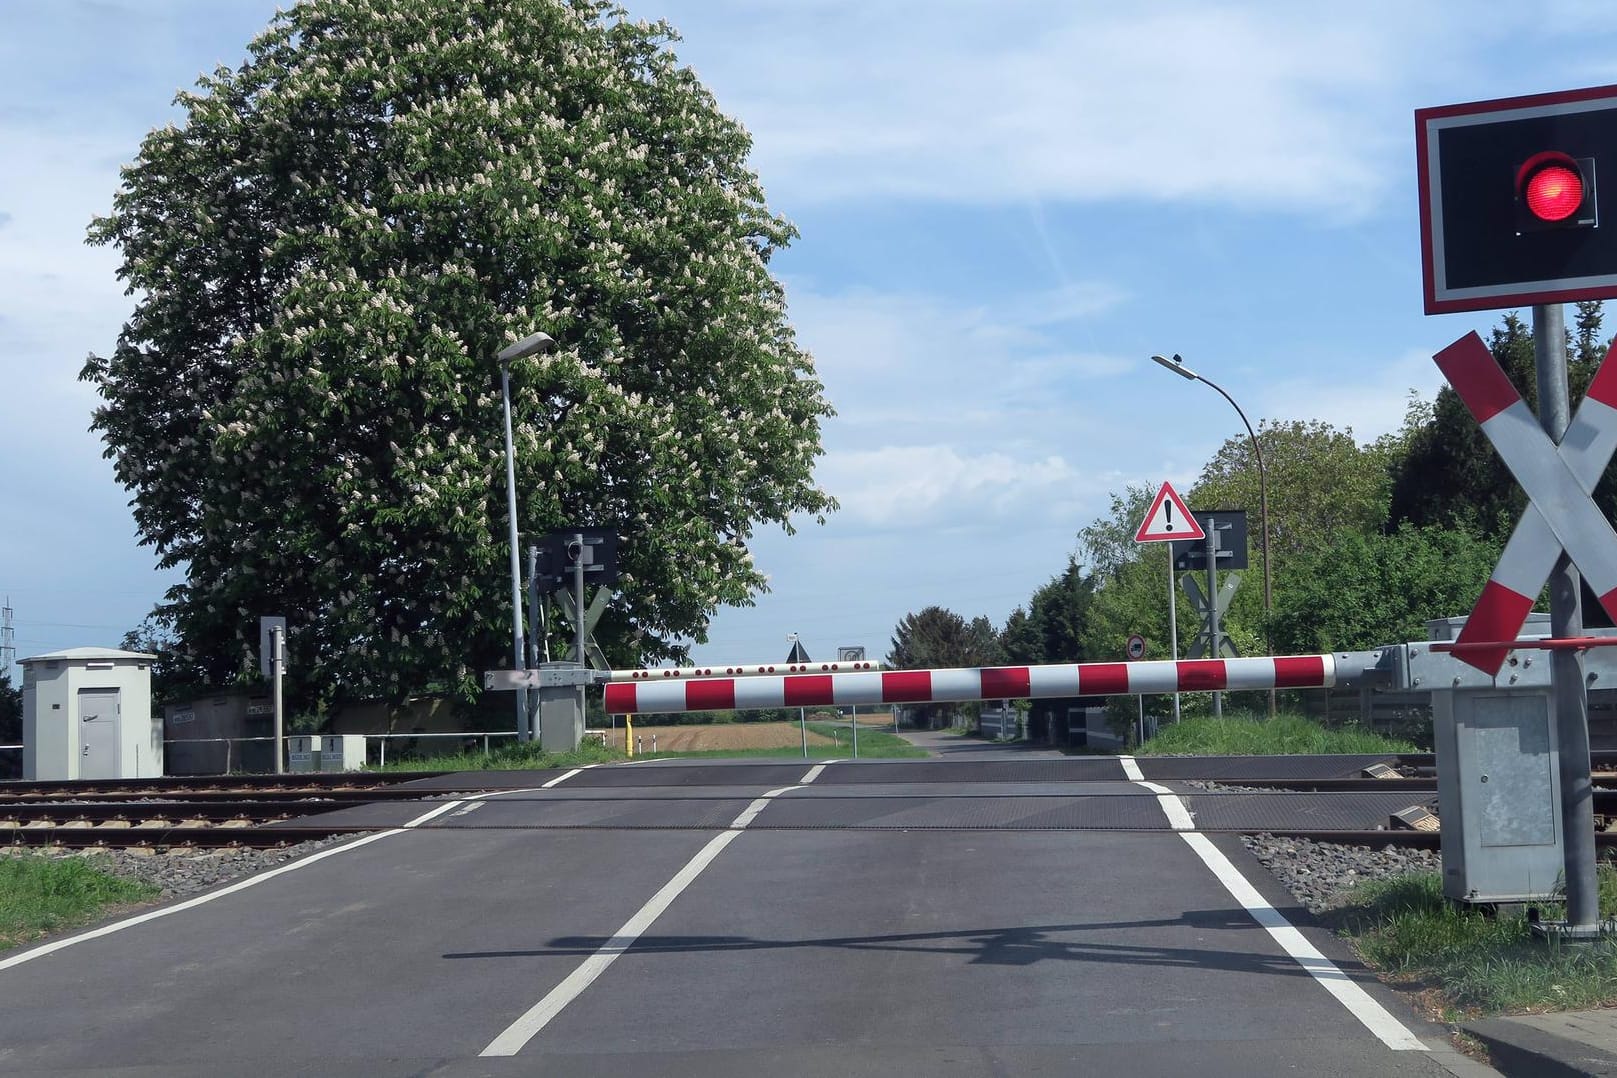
{"type": "Point", "coordinates": [87, 714]}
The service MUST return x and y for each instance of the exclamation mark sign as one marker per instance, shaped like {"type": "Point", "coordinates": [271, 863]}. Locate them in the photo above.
{"type": "Point", "coordinates": [1168, 505]}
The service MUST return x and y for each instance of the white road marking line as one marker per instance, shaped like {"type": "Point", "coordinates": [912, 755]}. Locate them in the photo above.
{"type": "Point", "coordinates": [526, 1027]}
{"type": "Point", "coordinates": [1131, 769]}
{"type": "Point", "coordinates": [1359, 1003]}
{"type": "Point", "coordinates": [559, 779]}
{"type": "Point", "coordinates": [251, 881]}
{"type": "Point", "coordinates": [814, 772]}
{"type": "Point", "coordinates": [1178, 815]}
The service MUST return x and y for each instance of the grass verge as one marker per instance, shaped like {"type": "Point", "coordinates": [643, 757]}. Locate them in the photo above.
{"type": "Point", "coordinates": [512, 757]}
{"type": "Point", "coordinates": [40, 895]}
{"type": "Point", "coordinates": [1251, 736]}
{"type": "Point", "coordinates": [1479, 963]}
{"type": "Point", "coordinates": [509, 757]}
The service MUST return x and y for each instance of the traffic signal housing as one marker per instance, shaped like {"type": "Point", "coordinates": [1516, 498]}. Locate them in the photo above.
{"type": "Point", "coordinates": [1510, 201]}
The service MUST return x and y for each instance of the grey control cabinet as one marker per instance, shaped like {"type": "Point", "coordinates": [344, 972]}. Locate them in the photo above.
{"type": "Point", "coordinates": [1498, 802]}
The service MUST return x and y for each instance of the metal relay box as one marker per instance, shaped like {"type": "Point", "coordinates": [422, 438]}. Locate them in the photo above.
{"type": "Point", "coordinates": [1497, 762]}
{"type": "Point", "coordinates": [342, 752]}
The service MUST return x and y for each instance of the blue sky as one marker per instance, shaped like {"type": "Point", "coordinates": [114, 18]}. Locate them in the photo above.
{"type": "Point", "coordinates": [1005, 209]}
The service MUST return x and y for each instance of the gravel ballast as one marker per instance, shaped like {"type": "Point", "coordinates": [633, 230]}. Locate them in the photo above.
{"type": "Point", "coordinates": [180, 872]}
{"type": "Point", "coordinates": [1321, 875]}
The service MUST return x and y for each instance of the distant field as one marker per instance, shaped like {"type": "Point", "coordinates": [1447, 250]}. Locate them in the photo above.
{"type": "Point", "coordinates": [722, 736]}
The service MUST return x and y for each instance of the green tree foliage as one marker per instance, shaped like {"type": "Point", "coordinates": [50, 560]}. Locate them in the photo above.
{"type": "Point", "coordinates": [174, 671]}
{"type": "Point", "coordinates": [1366, 589]}
{"type": "Point", "coordinates": [10, 710]}
{"type": "Point", "coordinates": [937, 637]}
{"type": "Point", "coordinates": [1451, 475]}
{"type": "Point", "coordinates": [1320, 481]}
{"type": "Point", "coordinates": [1051, 629]}
{"type": "Point", "coordinates": [328, 248]}
{"type": "Point", "coordinates": [1128, 585]}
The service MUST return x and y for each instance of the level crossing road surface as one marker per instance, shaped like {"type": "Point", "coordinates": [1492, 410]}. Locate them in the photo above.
{"type": "Point", "coordinates": [676, 918]}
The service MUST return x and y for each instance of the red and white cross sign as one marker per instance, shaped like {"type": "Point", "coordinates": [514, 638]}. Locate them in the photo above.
{"type": "Point", "coordinates": [1560, 514]}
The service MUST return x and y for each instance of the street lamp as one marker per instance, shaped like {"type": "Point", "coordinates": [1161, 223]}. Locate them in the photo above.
{"type": "Point", "coordinates": [532, 345]}
{"type": "Point", "coordinates": [1178, 367]}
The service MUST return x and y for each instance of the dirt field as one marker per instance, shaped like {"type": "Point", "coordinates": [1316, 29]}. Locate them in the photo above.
{"type": "Point", "coordinates": [732, 735]}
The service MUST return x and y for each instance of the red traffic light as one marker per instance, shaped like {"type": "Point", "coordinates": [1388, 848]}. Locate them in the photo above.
{"type": "Point", "coordinates": [1551, 184]}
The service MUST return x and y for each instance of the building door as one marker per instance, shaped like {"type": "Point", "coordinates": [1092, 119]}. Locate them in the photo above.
{"type": "Point", "coordinates": [98, 733]}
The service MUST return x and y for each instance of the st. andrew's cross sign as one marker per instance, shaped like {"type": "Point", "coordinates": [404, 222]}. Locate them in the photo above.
{"type": "Point", "coordinates": [1560, 514]}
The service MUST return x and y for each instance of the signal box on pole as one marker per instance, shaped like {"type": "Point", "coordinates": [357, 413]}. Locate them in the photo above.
{"type": "Point", "coordinates": [1516, 200]}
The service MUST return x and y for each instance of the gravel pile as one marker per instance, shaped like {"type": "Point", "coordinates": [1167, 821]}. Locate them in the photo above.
{"type": "Point", "coordinates": [1321, 874]}
{"type": "Point", "coordinates": [180, 872]}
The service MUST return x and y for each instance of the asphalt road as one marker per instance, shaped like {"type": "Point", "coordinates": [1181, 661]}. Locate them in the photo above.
{"type": "Point", "coordinates": [653, 919]}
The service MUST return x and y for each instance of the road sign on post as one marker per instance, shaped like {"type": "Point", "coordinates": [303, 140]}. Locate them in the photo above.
{"type": "Point", "coordinates": [1136, 650]}
{"type": "Point", "coordinates": [1191, 555]}
{"type": "Point", "coordinates": [1510, 200]}
{"type": "Point", "coordinates": [1168, 519]}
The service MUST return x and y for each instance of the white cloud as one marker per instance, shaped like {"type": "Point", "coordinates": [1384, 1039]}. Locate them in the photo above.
{"type": "Point", "coordinates": [921, 485]}
{"type": "Point", "coordinates": [896, 364]}
{"type": "Point", "coordinates": [1364, 395]}
{"type": "Point", "coordinates": [1261, 106]}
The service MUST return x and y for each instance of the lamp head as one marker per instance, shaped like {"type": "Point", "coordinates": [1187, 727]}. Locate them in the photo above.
{"type": "Point", "coordinates": [532, 345]}
{"type": "Point", "coordinates": [1176, 365]}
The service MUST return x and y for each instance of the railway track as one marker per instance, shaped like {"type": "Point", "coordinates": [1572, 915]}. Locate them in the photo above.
{"type": "Point", "coordinates": [257, 811]}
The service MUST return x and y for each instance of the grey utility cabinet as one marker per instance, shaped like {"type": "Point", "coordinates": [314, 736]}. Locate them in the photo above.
{"type": "Point", "coordinates": [1498, 800]}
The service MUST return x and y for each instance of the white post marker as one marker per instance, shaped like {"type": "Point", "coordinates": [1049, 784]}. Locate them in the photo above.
{"type": "Point", "coordinates": [1562, 476]}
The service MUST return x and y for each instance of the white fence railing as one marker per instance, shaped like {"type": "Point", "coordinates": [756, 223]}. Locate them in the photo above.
{"type": "Point", "coordinates": [232, 757]}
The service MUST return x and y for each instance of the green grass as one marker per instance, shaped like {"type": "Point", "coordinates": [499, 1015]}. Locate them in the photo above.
{"type": "Point", "coordinates": [872, 743]}
{"type": "Point", "coordinates": [514, 757]}
{"type": "Point", "coordinates": [1251, 736]}
{"type": "Point", "coordinates": [39, 895]}
{"type": "Point", "coordinates": [509, 757]}
{"type": "Point", "coordinates": [1481, 964]}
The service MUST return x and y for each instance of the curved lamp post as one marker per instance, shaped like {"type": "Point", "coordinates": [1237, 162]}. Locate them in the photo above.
{"type": "Point", "coordinates": [532, 345]}
{"type": "Point", "coordinates": [1178, 367]}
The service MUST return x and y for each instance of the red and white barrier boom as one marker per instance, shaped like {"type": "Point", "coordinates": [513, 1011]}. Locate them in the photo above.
{"type": "Point", "coordinates": [965, 685]}
{"type": "Point", "coordinates": [739, 670]}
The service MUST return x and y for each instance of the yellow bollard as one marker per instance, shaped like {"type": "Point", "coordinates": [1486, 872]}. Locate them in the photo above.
{"type": "Point", "coordinates": [628, 735]}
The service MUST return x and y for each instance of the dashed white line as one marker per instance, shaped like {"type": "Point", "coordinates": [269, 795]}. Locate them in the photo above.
{"type": "Point", "coordinates": [1372, 1015]}
{"type": "Point", "coordinates": [1131, 769]}
{"type": "Point", "coordinates": [525, 1028]}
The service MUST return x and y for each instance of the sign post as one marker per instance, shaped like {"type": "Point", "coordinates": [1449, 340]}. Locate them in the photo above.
{"type": "Point", "coordinates": [1561, 527]}
{"type": "Point", "coordinates": [272, 661]}
{"type": "Point", "coordinates": [1168, 520]}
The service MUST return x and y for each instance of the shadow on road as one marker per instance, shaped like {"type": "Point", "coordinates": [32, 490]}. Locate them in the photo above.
{"type": "Point", "coordinates": [1017, 946]}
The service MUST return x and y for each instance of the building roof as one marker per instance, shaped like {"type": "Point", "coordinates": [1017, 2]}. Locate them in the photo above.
{"type": "Point", "coordinates": [89, 653]}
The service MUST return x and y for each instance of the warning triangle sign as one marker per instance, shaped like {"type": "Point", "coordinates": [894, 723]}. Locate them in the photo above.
{"type": "Point", "coordinates": [1168, 519]}
{"type": "Point", "coordinates": [798, 655]}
